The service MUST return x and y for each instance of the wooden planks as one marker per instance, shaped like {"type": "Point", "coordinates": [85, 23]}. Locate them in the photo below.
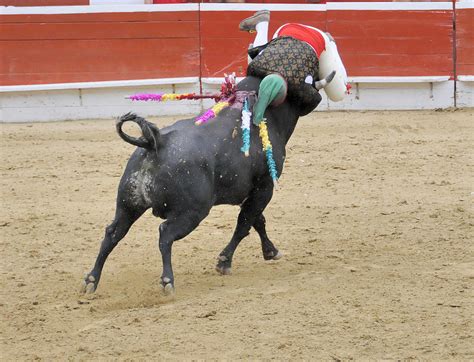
{"type": "Point", "coordinates": [394, 42]}
{"type": "Point", "coordinates": [61, 61]}
{"type": "Point", "coordinates": [99, 30]}
{"type": "Point", "coordinates": [42, 2]}
{"type": "Point", "coordinates": [465, 41]}
{"type": "Point", "coordinates": [84, 47]}
{"type": "Point", "coordinates": [97, 47]}
{"type": "Point", "coordinates": [103, 17]}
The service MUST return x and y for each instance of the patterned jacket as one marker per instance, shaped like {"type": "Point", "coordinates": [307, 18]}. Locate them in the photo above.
{"type": "Point", "coordinates": [294, 60]}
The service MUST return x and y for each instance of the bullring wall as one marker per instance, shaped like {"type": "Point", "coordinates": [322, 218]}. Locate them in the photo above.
{"type": "Point", "coordinates": [69, 62]}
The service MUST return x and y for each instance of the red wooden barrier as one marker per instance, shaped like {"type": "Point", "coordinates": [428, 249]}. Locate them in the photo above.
{"type": "Point", "coordinates": [465, 41]}
{"type": "Point", "coordinates": [97, 47]}
{"type": "Point", "coordinates": [393, 42]}
{"type": "Point", "coordinates": [42, 2]}
{"type": "Point", "coordinates": [60, 48]}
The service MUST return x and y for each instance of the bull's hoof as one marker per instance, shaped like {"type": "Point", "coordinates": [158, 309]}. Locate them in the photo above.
{"type": "Point", "coordinates": [222, 270]}
{"type": "Point", "coordinates": [224, 264]}
{"type": "Point", "coordinates": [167, 286]}
{"type": "Point", "coordinates": [273, 255]}
{"type": "Point", "coordinates": [88, 285]}
{"type": "Point", "coordinates": [168, 290]}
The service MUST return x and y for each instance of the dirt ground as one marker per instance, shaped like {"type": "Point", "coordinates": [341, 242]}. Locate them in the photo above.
{"type": "Point", "coordinates": [374, 217]}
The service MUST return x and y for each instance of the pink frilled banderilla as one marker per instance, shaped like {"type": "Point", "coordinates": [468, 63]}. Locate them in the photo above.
{"type": "Point", "coordinates": [223, 99]}
{"type": "Point", "coordinates": [227, 97]}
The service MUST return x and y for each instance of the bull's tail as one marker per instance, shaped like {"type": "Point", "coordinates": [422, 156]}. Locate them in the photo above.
{"type": "Point", "coordinates": [150, 138]}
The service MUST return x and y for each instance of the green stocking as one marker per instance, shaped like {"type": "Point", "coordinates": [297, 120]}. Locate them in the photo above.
{"type": "Point", "coordinates": [272, 91]}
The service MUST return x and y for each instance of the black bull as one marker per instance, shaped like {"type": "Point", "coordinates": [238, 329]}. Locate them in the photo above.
{"type": "Point", "coordinates": [183, 170]}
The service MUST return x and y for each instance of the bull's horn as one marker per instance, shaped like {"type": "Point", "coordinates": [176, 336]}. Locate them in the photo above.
{"type": "Point", "coordinates": [320, 84]}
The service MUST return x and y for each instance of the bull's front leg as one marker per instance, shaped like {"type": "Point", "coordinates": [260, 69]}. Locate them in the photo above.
{"type": "Point", "coordinates": [251, 209]}
{"type": "Point", "coordinates": [270, 252]}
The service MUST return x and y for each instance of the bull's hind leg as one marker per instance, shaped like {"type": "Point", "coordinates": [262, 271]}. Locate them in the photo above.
{"type": "Point", "coordinates": [175, 228]}
{"type": "Point", "coordinates": [268, 249]}
{"type": "Point", "coordinates": [115, 232]}
{"type": "Point", "coordinates": [251, 209]}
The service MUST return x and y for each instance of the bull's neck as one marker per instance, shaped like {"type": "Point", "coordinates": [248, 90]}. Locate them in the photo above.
{"type": "Point", "coordinates": [284, 117]}
{"type": "Point", "coordinates": [284, 121]}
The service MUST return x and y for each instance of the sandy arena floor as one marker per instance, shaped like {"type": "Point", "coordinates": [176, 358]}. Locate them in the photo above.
{"type": "Point", "coordinates": [374, 217]}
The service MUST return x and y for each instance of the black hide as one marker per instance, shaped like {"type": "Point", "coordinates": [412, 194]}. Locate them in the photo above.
{"type": "Point", "coordinates": [181, 171]}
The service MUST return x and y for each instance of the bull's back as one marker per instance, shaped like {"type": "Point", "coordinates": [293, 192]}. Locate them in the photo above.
{"type": "Point", "coordinates": [209, 156]}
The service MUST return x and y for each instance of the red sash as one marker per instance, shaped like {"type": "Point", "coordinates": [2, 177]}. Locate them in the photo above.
{"type": "Point", "coordinates": [308, 35]}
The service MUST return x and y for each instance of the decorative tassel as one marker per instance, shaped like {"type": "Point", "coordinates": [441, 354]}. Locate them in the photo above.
{"type": "Point", "coordinates": [169, 97]}
{"type": "Point", "coordinates": [161, 97]}
{"type": "Point", "coordinates": [267, 147]}
{"type": "Point", "coordinates": [211, 113]}
{"type": "Point", "coordinates": [246, 116]}
{"type": "Point", "coordinates": [146, 97]}
{"type": "Point", "coordinates": [225, 98]}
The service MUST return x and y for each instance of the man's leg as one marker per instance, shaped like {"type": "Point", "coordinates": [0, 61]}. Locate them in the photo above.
{"type": "Point", "coordinates": [257, 23]}
{"type": "Point", "coordinates": [261, 37]}
{"type": "Point", "coordinates": [272, 91]}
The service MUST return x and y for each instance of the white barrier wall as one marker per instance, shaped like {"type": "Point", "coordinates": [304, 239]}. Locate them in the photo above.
{"type": "Point", "coordinates": [27, 105]}
{"type": "Point", "coordinates": [465, 91]}
{"type": "Point", "coordinates": [94, 101]}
